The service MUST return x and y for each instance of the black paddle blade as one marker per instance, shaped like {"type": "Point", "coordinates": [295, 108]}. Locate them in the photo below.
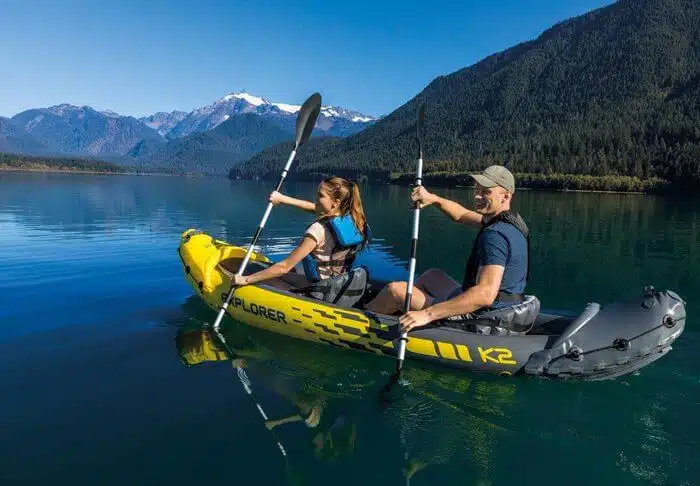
{"type": "Point", "coordinates": [306, 119]}
{"type": "Point", "coordinates": [385, 395]}
{"type": "Point", "coordinates": [420, 122]}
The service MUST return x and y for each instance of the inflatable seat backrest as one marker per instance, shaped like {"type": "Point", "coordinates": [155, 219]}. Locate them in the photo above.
{"type": "Point", "coordinates": [344, 290]}
{"type": "Point", "coordinates": [512, 320]}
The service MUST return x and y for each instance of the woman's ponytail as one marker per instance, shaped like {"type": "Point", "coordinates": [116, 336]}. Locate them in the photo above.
{"type": "Point", "coordinates": [357, 212]}
{"type": "Point", "coordinates": [348, 193]}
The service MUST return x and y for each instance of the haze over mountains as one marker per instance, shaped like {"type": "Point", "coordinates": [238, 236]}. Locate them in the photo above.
{"type": "Point", "coordinates": [71, 130]}
{"type": "Point", "coordinates": [613, 92]}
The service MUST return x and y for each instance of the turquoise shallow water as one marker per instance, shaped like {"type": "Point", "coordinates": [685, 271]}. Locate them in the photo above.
{"type": "Point", "coordinates": [94, 305]}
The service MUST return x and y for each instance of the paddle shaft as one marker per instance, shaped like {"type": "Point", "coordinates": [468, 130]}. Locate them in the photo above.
{"type": "Point", "coordinates": [241, 269]}
{"type": "Point", "coordinates": [243, 377]}
{"type": "Point", "coordinates": [411, 263]}
{"type": "Point", "coordinates": [246, 385]}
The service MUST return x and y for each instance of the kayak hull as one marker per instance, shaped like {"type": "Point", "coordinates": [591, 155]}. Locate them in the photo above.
{"type": "Point", "coordinates": [603, 342]}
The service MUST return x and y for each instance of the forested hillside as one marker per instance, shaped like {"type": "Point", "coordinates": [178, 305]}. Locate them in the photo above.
{"type": "Point", "coordinates": [9, 161]}
{"type": "Point", "coordinates": [30, 162]}
{"type": "Point", "coordinates": [614, 92]}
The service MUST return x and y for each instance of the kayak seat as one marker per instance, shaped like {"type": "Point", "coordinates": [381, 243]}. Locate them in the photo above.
{"type": "Point", "coordinates": [345, 290]}
{"type": "Point", "coordinates": [517, 319]}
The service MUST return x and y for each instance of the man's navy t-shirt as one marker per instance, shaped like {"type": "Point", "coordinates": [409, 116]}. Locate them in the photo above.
{"type": "Point", "coordinates": [503, 244]}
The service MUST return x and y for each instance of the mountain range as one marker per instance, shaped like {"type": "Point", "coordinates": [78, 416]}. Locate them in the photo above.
{"type": "Point", "coordinates": [214, 151]}
{"type": "Point", "coordinates": [332, 121]}
{"type": "Point", "coordinates": [163, 122]}
{"type": "Point", "coordinates": [13, 139]}
{"type": "Point", "coordinates": [68, 129]}
{"type": "Point", "coordinates": [615, 91]}
{"type": "Point", "coordinates": [174, 139]}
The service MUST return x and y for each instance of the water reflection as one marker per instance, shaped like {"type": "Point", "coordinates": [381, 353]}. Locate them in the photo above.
{"type": "Point", "coordinates": [445, 424]}
{"type": "Point", "coordinates": [332, 409]}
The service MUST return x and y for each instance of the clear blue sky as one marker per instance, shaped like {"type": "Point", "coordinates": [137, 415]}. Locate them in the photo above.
{"type": "Point", "coordinates": [137, 57]}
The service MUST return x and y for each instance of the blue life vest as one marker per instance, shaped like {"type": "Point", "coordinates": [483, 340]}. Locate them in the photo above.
{"type": "Point", "coordinates": [346, 236]}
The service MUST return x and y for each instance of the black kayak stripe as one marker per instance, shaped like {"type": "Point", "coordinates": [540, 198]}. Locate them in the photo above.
{"type": "Point", "coordinates": [351, 317]}
{"type": "Point", "coordinates": [437, 349]}
{"type": "Point", "coordinates": [327, 329]}
{"type": "Point", "coordinates": [325, 314]}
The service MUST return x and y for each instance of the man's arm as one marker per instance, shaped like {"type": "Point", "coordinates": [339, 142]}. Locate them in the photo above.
{"type": "Point", "coordinates": [459, 213]}
{"type": "Point", "coordinates": [453, 210]}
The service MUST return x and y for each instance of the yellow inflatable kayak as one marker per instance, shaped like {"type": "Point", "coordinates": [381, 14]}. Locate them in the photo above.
{"type": "Point", "coordinates": [601, 342]}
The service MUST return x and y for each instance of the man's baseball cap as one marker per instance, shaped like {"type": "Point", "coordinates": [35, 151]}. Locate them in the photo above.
{"type": "Point", "coordinates": [496, 175]}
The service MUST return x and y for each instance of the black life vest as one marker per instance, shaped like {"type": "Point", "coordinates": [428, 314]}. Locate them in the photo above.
{"type": "Point", "coordinates": [472, 269]}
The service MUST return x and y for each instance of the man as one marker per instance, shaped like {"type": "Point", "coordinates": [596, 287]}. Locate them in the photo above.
{"type": "Point", "coordinates": [496, 272]}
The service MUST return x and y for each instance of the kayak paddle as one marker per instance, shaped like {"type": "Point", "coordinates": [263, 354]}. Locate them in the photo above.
{"type": "Point", "coordinates": [243, 377]}
{"type": "Point", "coordinates": [306, 119]}
{"type": "Point", "coordinates": [414, 243]}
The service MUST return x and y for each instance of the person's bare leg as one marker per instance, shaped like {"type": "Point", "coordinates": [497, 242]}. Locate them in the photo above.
{"type": "Point", "coordinates": [391, 299]}
{"type": "Point", "coordinates": [433, 282]}
{"type": "Point", "coordinates": [437, 283]}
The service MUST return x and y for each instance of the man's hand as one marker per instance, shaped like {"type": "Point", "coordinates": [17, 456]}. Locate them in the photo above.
{"type": "Point", "coordinates": [424, 197]}
{"type": "Point", "coordinates": [414, 319]}
{"type": "Point", "coordinates": [239, 280]}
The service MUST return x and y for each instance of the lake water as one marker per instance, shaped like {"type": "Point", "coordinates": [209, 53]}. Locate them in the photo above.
{"type": "Point", "coordinates": [95, 311]}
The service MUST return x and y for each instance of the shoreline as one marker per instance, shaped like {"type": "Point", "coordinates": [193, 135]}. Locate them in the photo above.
{"type": "Point", "coordinates": [392, 183]}
{"type": "Point", "coordinates": [525, 181]}
{"type": "Point", "coordinates": [592, 191]}
{"type": "Point", "coordinates": [86, 171]}
{"type": "Point", "coordinates": [661, 189]}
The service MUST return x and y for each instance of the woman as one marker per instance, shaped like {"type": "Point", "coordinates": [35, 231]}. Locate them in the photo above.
{"type": "Point", "coordinates": [329, 244]}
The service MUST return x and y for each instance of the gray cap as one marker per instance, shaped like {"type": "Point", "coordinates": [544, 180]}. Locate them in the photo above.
{"type": "Point", "coordinates": [496, 175]}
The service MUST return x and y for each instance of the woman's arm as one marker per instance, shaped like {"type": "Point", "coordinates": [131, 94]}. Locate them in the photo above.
{"type": "Point", "coordinates": [279, 198]}
{"type": "Point", "coordinates": [306, 246]}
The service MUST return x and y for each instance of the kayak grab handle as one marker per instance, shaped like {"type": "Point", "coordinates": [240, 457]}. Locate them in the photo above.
{"type": "Point", "coordinates": [588, 313]}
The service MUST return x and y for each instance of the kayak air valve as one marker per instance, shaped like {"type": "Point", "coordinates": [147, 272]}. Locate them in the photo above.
{"type": "Point", "coordinates": [669, 321]}
{"type": "Point", "coordinates": [575, 354]}
{"type": "Point", "coordinates": [621, 344]}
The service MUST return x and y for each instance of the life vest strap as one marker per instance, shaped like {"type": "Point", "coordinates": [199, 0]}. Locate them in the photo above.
{"type": "Point", "coordinates": [331, 263]}
{"type": "Point", "coordinates": [506, 297]}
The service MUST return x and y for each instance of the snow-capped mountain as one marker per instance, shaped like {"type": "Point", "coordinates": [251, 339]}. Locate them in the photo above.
{"type": "Point", "coordinates": [82, 130]}
{"type": "Point", "coordinates": [163, 122]}
{"type": "Point", "coordinates": [332, 120]}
